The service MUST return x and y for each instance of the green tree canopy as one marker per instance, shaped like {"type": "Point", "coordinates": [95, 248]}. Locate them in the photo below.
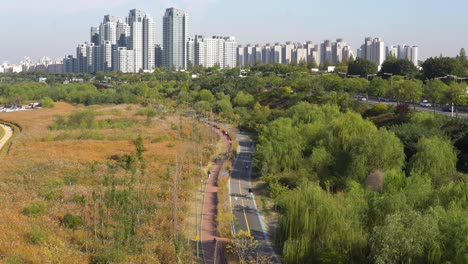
{"type": "Point", "coordinates": [361, 67]}
{"type": "Point", "coordinates": [435, 158]}
{"type": "Point", "coordinates": [440, 67]}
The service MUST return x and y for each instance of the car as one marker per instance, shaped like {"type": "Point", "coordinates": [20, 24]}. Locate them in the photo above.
{"type": "Point", "coordinates": [425, 103]}
{"type": "Point", "coordinates": [447, 108]}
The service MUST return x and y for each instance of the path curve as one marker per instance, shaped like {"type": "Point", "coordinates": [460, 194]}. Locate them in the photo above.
{"type": "Point", "coordinates": [7, 136]}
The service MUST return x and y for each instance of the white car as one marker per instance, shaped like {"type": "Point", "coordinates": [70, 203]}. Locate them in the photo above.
{"type": "Point", "coordinates": [425, 103]}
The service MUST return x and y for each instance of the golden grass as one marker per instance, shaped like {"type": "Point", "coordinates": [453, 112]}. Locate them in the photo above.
{"type": "Point", "coordinates": [40, 168]}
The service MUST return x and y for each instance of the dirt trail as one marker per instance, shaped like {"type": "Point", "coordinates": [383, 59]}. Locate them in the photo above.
{"type": "Point", "coordinates": [7, 136]}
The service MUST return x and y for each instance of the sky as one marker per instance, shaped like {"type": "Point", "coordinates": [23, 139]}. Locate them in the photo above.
{"type": "Point", "coordinates": [54, 28]}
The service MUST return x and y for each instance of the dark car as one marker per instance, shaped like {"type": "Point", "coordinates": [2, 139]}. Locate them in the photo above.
{"type": "Point", "coordinates": [447, 108]}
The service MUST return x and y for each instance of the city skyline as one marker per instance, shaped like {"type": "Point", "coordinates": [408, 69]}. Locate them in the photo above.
{"type": "Point", "coordinates": [58, 29]}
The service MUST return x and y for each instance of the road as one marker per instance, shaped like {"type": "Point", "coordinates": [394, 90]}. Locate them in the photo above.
{"type": "Point", "coordinates": [422, 109]}
{"type": "Point", "coordinates": [243, 203]}
{"type": "Point", "coordinates": [7, 136]}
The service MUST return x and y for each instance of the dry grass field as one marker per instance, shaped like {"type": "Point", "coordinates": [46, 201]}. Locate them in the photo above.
{"type": "Point", "coordinates": [51, 174]}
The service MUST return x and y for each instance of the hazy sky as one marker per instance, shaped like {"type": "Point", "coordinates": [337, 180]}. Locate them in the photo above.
{"type": "Point", "coordinates": [54, 28]}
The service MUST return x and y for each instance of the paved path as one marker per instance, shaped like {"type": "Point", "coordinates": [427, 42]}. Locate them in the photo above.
{"type": "Point", "coordinates": [7, 136]}
{"type": "Point", "coordinates": [211, 248]}
{"type": "Point", "coordinates": [243, 203]}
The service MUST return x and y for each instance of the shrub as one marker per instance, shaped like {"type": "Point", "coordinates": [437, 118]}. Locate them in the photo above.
{"type": "Point", "coordinates": [78, 198]}
{"type": "Point", "coordinates": [16, 259]}
{"type": "Point", "coordinates": [110, 255]}
{"type": "Point", "coordinates": [380, 108]}
{"type": "Point", "coordinates": [72, 221]}
{"type": "Point", "coordinates": [35, 209]}
{"type": "Point", "coordinates": [37, 235]}
{"type": "Point", "coordinates": [148, 111]}
{"type": "Point", "coordinates": [52, 195]}
{"type": "Point", "coordinates": [162, 138]}
{"type": "Point", "coordinates": [46, 102]}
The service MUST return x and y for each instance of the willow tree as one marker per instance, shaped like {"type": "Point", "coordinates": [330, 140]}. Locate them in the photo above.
{"type": "Point", "coordinates": [318, 227]}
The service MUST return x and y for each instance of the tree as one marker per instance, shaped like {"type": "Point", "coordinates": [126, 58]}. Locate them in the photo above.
{"type": "Point", "coordinates": [401, 67]}
{"type": "Point", "coordinates": [436, 158]}
{"type": "Point", "coordinates": [356, 85]}
{"type": "Point", "coordinates": [463, 59]}
{"type": "Point", "coordinates": [206, 95]}
{"type": "Point", "coordinates": [435, 90]}
{"type": "Point", "coordinates": [243, 245]}
{"type": "Point", "coordinates": [361, 67]}
{"type": "Point", "coordinates": [243, 99]}
{"type": "Point", "coordinates": [311, 64]}
{"type": "Point", "coordinates": [405, 238]}
{"type": "Point", "coordinates": [440, 67]}
{"type": "Point", "coordinates": [319, 227]}
{"type": "Point", "coordinates": [412, 91]}
{"type": "Point", "coordinates": [378, 87]}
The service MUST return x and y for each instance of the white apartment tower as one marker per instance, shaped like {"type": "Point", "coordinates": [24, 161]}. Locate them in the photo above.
{"type": "Point", "coordinates": [216, 50]}
{"type": "Point", "coordinates": [373, 50]}
{"type": "Point", "coordinates": [277, 52]}
{"type": "Point", "coordinates": [108, 29]}
{"type": "Point", "coordinates": [175, 37]}
{"type": "Point", "coordinates": [230, 55]}
{"type": "Point", "coordinates": [266, 54]}
{"type": "Point", "coordinates": [124, 60]}
{"type": "Point", "coordinates": [141, 39]}
{"type": "Point", "coordinates": [287, 52]}
{"type": "Point", "coordinates": [240, 56]}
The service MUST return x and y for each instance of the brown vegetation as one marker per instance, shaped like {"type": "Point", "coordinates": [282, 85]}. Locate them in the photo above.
{"type": "Point", "coordinates": [51, 173]}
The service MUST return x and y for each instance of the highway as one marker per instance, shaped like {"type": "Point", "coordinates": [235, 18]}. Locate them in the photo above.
{"type": "Point", "coordinates": [243, 204]}
{"type": "Point", "coordinates": [421, 109]}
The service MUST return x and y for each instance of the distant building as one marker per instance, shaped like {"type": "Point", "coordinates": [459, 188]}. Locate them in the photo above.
{"type": "Point", "coordinates": [404, 52]}
{"type": "Point", "coordinates": [373, 50]}
{"type": "Point", "coordinates": [208, 52]}
{"type": "Point", "coordinates": [175, 37]}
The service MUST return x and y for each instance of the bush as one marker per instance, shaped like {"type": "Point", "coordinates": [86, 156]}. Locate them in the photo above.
{"type": "Point", "coordinates": [108, 256]}
{"type": "Point", "coordinates": [37, 235]}
{"type": "Point", "coordinates": [148, 111]}
{"type": "Point", "coordinates": [16, 259]}
{"type": "Point", "coordinates": [46, 102]}
{"type": "Point", "coordinates": [72, 221]}
{"type": "Point", "coordinates": [162, 138]}
{"type": "Point", "coordinates": [35, 209]}
{"type": "Point", "coordinates": [52, 195]}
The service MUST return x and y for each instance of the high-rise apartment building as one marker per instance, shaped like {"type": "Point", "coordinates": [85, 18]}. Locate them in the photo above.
{"type": "Point", "coordinates": [373, 50]}
{"type": "Point", "coordinates": [256, 54]}
{"type": "Point", "coordinates": [326, 56]}
{"type": "Point", "coordinates": [248, 55]}
{"type": "Point", "coordinates": [158, 54]}
{"type": "Point", "coordinates": [266, 54]}
{"type": "Point", "coordinates": [277, 53]}
{"type": "Point", "coordinates": [230, 56]}
{"type": "Point", "coordinates": [287, 52]}
{"type": "Point", "coordinates": [123, 60]}
{"type": "Point", "coordinates": [175, 37]}
{"type": "Point", "coordinates": [141, 39]}
{"type": "Point", "coordinates": [240, 56]}
{"type": "Point", "coordinates": [208, 52]}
